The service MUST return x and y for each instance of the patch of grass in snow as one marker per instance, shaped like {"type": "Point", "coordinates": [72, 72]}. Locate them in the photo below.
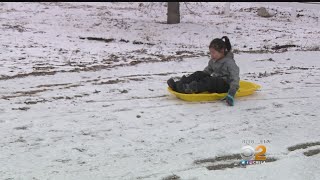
{"type": "Point", "coordinates": [234, 164]}
{"type": "Point", "coordinates": [21, 128]}
{"type": "Point", "coordinates": [171, 177]}
{"type": "Point", "coordinates": [221, 158]}
{"type": "Point", "coordinates": [303, 146]}
{"type": "Point", "coordinates": [312, 152]}
{"type": "Point", "coordinates": [222, 166]}
{"type": "Point", "coordinates": [28, 74]}
{"type": "Point", "coordinates": [21, 108]}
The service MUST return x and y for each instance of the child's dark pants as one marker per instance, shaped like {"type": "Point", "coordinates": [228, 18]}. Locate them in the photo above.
{"type": "Point", "coordinates": [199, 82]}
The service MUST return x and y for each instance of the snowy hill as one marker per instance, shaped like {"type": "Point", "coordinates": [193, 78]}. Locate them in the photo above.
{"type": "Point", "coordinates": [83, 92]}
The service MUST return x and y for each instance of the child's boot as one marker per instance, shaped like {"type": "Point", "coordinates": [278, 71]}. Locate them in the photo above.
{"type": "Point", "coordinates": [171, 84]}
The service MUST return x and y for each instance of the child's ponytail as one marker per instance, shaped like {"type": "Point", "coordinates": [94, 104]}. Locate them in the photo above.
{"type": "Point", "coordinates": [227, 42]}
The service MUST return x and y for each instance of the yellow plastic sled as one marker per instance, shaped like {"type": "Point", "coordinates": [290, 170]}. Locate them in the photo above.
{"type": "Point", "coordinates": [246, 88]}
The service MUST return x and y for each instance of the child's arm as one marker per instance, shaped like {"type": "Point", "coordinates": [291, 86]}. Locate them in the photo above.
{"type": "Point", "coordinates": [208, 69]}
{"type": "Point", "coordinates": [234, 78]}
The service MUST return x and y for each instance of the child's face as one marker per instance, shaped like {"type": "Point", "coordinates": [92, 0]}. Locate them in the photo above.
{"type": "Point", "coordinates": [216, 55]}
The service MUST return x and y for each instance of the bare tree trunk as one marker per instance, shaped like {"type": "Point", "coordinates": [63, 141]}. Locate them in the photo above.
{"type": "Point", "coordinates": [293, 14]}
{"type": "Point", "coordinates": [173, 15]}
{"type": "Point", "coordinates": [227, 9]}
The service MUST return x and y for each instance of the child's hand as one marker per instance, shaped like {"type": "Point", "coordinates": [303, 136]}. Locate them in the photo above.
{"type": "Point", "coordinates": [229, 99]}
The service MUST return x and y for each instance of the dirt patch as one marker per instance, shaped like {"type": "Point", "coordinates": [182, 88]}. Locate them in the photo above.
{"type": "Point", "coordinates": [300, 68]}
{"type": "Point", "coordinates": [31, 92]}
{"type": "Point", "coordinates": [113, 58]}
{"type": "Point", "coordinates": [57, 98]}
{"type": "Point", "coordinates": [132, 63]}
{"type": "Point", "coordinates": [312, 152]}
{"type": "Point", "coordinates": [314, 48]}
{"type": "Point", "coordinates": [222, 166]}
{"type": "Point", "coordinates": [254, 9]}
{"type": "Point", "coordinates": [270, 59]}
{"type": "Point", "coordinates": [137, 79]}
{"type": "Point", "coordinates": [233, 157]}
{"type": "Point", "coordinates": [123, 40]}
{"type": "Point", "coordinates": [256, 109]}
{"type": "Point", "coordinates": [69, 98]}
{"type": "Point", "coordinates": [260, 51]}
{"type": "Point", "coordinates": [303, 146]}
{"type": "Point", "coordinates": [277, 47]}
{"type": "Point", "coordinates": [28, 74]}
{"type": "Point", "coordinates": [276, 105]}
{"type": "Point", "coordinates": [264, 74]}
{"type": "Point", "coordinates": [43, 68]}
{"type": "Point", "coordinates": [96, 91]}
{"type": "Point", "coordinates": [80, 149]}
{"type": "Point", "coordinates": [24, 93]}
{"type": "Point", "coordinates": [184, 52]}
{"type": "Point", "coordinates": [235, 165]}
{"type": "Point", "coordinates": [98, 39]}
{"type": "Point", "coordinates": [113, 40]}
{"type": "Point", "coordinates": [21, 128]}
{"type": "Point", "coordinates": [52, 85]}
{"type": "Point", "coordinates": [21, 108]}
{"type": "Point", "coordinates": [149, 97]}
{"type": "Point", "coordinates": [124, 91]}
{"type": "Point", "coordinates": [123, 109]}
{"type": "Point", "coordinates": [63, 160]}
{"type": "Point", "coordinates": [35, 102]}
{"type": "Point", "coordinates": [18, 28]}
{"type": "Point", "coordinates": [221, 158]}
{"type": "Point", "coordinates": [20, 139]}
{"type": "Point", "coordinates": [93, 80]}
{"type": "Point", "coordinates": [169, 58]}
{"type": "Point", "coordinates": [109, 82]}
{"type": "Point", "coordinates": [137, 42]}
{"type": "Point", "coordinates": [171, 177]}
{"type": "Point", "coordinates": [156, 74]}
{"type": "Point", "coordinates": [94, 68]}
{"type": "Point", "coordinates": [71, 86]}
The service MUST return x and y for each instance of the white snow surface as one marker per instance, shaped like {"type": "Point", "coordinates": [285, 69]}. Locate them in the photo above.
{"type": "Point", "coordinates": [74, 108]}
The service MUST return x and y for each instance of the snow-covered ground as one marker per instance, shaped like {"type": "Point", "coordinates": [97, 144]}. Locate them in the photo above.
{"type": "Point", "coordinates": [76, 108]}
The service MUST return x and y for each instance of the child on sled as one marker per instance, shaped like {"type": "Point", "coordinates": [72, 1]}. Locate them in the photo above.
{"type": "Point", "coordinates": [220, 76]}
